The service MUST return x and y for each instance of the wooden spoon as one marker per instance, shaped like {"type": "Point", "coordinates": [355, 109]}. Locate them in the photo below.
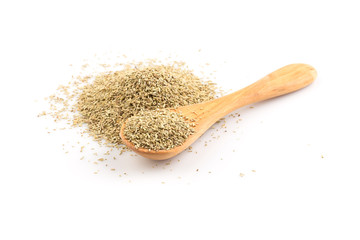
{"type": "Point", "coordinates": [284, 80]}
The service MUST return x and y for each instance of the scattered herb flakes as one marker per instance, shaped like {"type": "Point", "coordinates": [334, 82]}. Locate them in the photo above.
{"type": "Point", "coordinates": [102, 102]}
{"type": "Point", "coordinates": [43, 113]}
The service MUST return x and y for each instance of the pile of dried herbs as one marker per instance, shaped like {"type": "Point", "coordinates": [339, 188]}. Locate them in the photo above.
{"type": "Point", "coordinates": [158, 130]}
{"type": "Point", "coordinates": [111, 98]}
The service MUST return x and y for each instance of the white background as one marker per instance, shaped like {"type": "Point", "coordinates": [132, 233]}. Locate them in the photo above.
{"type": "Point", "coordinates": [304, 146]}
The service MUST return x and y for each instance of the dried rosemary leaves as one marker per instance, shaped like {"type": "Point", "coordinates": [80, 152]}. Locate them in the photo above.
{"type": "Point", "coordinates": [157, 130]}
{"type": "Point", "coordinates": [113, 97]}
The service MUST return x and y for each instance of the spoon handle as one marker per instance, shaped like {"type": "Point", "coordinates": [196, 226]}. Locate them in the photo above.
{"type": "Point", "coordinates": [282, 81]}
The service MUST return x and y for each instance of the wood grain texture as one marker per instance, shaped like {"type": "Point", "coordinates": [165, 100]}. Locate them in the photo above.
{"type": "Point", "coordinates": [282, 81]}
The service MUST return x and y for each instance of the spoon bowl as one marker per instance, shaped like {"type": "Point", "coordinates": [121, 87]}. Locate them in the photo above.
{"type": "Point", "coordinates": [282, 81]}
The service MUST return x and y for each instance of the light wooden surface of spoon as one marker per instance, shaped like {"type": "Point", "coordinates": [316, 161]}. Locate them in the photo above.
{"type": "Point", "coordinates": [282, 81]}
